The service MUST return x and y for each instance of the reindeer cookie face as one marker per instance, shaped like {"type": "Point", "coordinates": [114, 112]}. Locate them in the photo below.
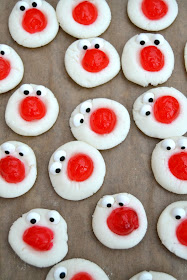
{"type": "Point", "coordinates": [39, 237]}
{"type": "Point", "coordinates": [169, 162]}
{"type": "Point", "coordinates": [17, 169]}
{"type": "Point", "coordinates": [119, 221]}
{"type": "Point", "coordinates": [33, 23]}
{"type": "Point", "coordinates": [147, 59]}
{"type": "Point", "coordinates": [161, 112]}
{"type": "Point", "coordinates": [152, 275]}
{"type": "Point", "coordinates": [92, 62]}
{"type": "Point", "coordinates": [31, 110]}
{"type": "Point", "coordinates": [172, 228]}
{"type": "Point", "coordinates": [76, 269]}
{"type": "Point", "coordinates": [83, 19]}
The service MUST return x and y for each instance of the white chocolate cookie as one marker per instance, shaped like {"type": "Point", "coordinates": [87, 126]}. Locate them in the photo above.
{"type": "Point", "coordinates": [83, 19]}
{"type": "Point", "coordinates": [172, 228]}
{"type": "Point", "coordinates": [101, 122]}
{"type": "Point", "coordinates": [31, 110]}
{"type": "Point", "coordinates": [152, 275]}
{"type": "Point", "coordinates": [185, 56]}
{"type": "Point", "coordinates": [39, 237]}
{"type": "Point", "coordinates": [11, 68]}
{"type": "Point", "coordinates": [75, 269]}
{"type": "Point", "coordinates": [152, 15]}
{"type": "Point", "coordinates": [119, 221]}
{"type": "Point", "coordinates": [92, 62]}
{"type": "Point", "coordinates": [76, 170]}
{"type": "Point", "coordinates": [169, 161]}
{"type": "Point", "coordinates": [147, 59]}
{"type": "Point", "coordinates": [17, 169]}
{"type": "Point", "coordinates": [33, 23]}
{"type": "Point", "coordinates": [161, 112]}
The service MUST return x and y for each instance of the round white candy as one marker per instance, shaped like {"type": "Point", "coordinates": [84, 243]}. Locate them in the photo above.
{"type": "Point", "coordinates": [73, 267]}
{"type": "Point", "coordinates": [31, 94]}
{"type": "Point", "coordinates": [156, 114]}
{"type": "Point", "coordinates": [138, 60]}
{"type": "Point", "coordinates": [172, 226]}
{"type": "Point", "coordinates": [152, 275]}
{"type": "Point", "coordinates": [75, 25]}
{"type": "Point", "coordinates": [97, 52]}
{"type": "Point", "coordinates": [77, 184]}
{"type": "Point", "coordinates": [10, 185]}
{"type": "Point", "coordinates": [156, 20]}
{"type": "Point", "coordinates": [83, 131]}
{"type": "Point", "coordinates": [40, 253]}
{"type": "Point", "coordinates": [33, 24]}
{"type": "Point", "coordinates": [107, 206]}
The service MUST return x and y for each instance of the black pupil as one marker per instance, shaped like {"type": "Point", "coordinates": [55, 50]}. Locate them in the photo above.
{"type": "Point", "coordinates": [97, 46]}
{"type": "Point", "coordinates": [120, 204]}
{"type": "Point", "coordinates": [34, 4]}
{"type": "Point", "coordinates": [109, 205]}
{"type": "Point", "coordinates": [88, 110]}
{"type": "Point", "coordinates": [2, 52]}
{"type": "Point", "coordinates": [7, 152]}
{"type": "Point", "coordinates": [178, 217]}
{"type": "Point", "coordinates": [22, 8]}
{"type": "Point", "coordinates": [150, 99]}
{"type": "Point", "coordinates": [52, 220]}
{"type": "Point", "coordinates": [26, 92]}
{"type": "Point", "coordinates": [182, 147]}
{"type": "Point", "coordinates": [62, 275]}
{"type": "Point", "coordinates": [62, 158]}
{"type": "Point", "coordinates": [148, 113]}
{"type": "Point", "coordinates": [33, 221]}
{"type": "Point", "coordinates": [168, 148]}
{"type": "Point", "coordinates": [21, 154]}
{"type": "Point", "coordinates": [58, 170]}
{"type": "Point", "coordinates": [38, 92]}
{"type": "Point", "coordinates": [157, 42]}
{"type": "Point", "coordinates": [81, 121]}
{"type": "Point", "coordinates": [142, 43]}
{"type": "Point", "coordinates": [85, 48]}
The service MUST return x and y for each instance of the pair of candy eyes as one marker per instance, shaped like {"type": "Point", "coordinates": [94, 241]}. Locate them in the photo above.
{"type": "Point", "coordinates": [169, 144]}
{"type": "Point", "coordinates": [53, 216]}
{"type": "Point", "coordinates": [58, 157]}
{"type": "Point", "coordinates": [10, 148]}
{"type": "Point", "coordinates": [179, 213]}
{"type": "Point", "coordinates": [78, 119]}
{"type": "Point", "coordinates": [85, 44]}
{"type": "Point", "coordinates": [27, 89]}
{"type": "Point", "coordinates": [108, 201]}
{"type": "Point", "coordinates": [142, 39]}
{"type": "Point", "coordinates": [22, 6]}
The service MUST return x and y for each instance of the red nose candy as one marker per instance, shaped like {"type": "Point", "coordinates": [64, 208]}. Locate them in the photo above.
{"type": "Point", "coordinates": [103, 121]}
{"type": "Point", "coordinates": [80, 167]}
{"type": "Point", "coordinates": [166, 109]}
{"type": "Point", "coordinates": [95, 61]}
{"type": "Point", "coordinates": [39, 238]}
{"type": "Point", "coordinates": [12, 169]}
{"type": "Point", "coordinates": [4, 68]}
{"type": "Point", "coordinates": [152, 59]}
{"type": "Point", "coordinates": [123, 221]}
{"type": "Point", "coordinates": [178, 165]}
{"type": "Point", "coordinates": [85, 13]}
{"type": "Point", "coordinates": [82, 276]}
{"type": "Point", "coordinates": [34, 21]}
{"type": "Point", "coordinates": [182, 233]}
{"type": "Point", "coordinates": [32, 108]}
{"type": "Point", "coordinates": [154, 9]}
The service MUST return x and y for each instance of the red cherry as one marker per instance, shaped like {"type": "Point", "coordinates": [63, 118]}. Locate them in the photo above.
{"type": "Point", "coordinates": [154, 9]}
{"type": "Point", "coordinates": [181, 233]}
{"type": "Point", "coordinates": [152, 59]}
{"type": "Point", "coordinates": [82, 276]}
{"type": "Point", "coordinates": [95, 61]}
{"type": "Point", "coordinates": [12, 169]}
{"type": "Point", "coordinates": [4, 68]}
{"type": "Point", "coordinates": [32, 108]}
{"type": "Point", "coordinates": [178, 165]}
{"type": "Point", "coordinates": [34, 21]}
{"type": "Point", "coordinates": [85, 13]}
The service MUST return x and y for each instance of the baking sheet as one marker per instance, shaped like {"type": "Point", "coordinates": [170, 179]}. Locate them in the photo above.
{"type": "Point", "coordinates": [128, 165]}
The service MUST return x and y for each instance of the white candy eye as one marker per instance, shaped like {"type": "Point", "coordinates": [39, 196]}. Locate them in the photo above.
{"type": "Point", "coordinates": [178, 213]}
{"type": "Point", "coordinates": [8, 148]}
{"type": "Point", "coordinates": [78, 120]}
{"type": "Point", "coordinates": [26, 89]}
{"type": "Point", "coordinates": [59, 156]}
{"type": "Point", "coordinates": [182, 143]}
{"type": "Point", "coordinates": [158, 39]}
{"type": "Point", "coordinates": [55, 168]}
{"type": "Point", "coordinates": [122, 199]}
{"type": "Point", "coordinates": [142, 39]}
{"type": "Point", "coordinates": [146, 110]}
{"type": "Point", "coordinates": [54, 217]}
{"type": "Point", "coordinates": [41, 91]}
{"type": "Point", "coordinates": [33, 217]}
{"type": "Point", "coordinates": [4, 49]}
{"type": "Point", "coordinates": [146, 276]}
{"type": "Point", "coordinates": [107, 201]}
{"type": "Point", "coordinates": [36, 3]}
{"type": "Point", "coordinates": [85, 107]}
{"type": "Point", "coordinates": [23, 150]}
{"type": "Point", "coordinates": [22, 6]}
{"type": "Point", "coordinates": [168, 144]}
{"type": "Point", "coordinates": [148, 97]}
{"type": "Point", "coordinates": [98, 43]}
{"type": "Point", "coordinates": [84, 45]}
{"type": "Point", "coordinates": [60, 273]}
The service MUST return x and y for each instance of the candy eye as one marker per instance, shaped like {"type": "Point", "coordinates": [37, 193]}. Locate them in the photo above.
{"type": "Point", "coordinates": [78, 120]}
{"type": "Point", "coordinates": [142, 39]}
{"type": "Point", "coordinates": [107, 201]}
{"type": "Point", "coordinates": [182, 143]}
{"type": "Point", "coordinates": [33, 218]}
{"type": "Point", "coordinates": [59, 156]}
{"type": "Point", "coordinates": [146, 276]}
{"type": "Point", "coordinates": [54, 217]}
{"type": "Point", "coordinates": [55, 168]}
{"type": "Point", "coordinates": [178, 213]}
{"type": "Point", "coordinates": [148, 97]}
{"type": "Point", "coordinates": [158, 39]}
{"type": "Point", "coordinates": [4, 50]}
{"type": "Point", "coordinates": [168, 144]}
{"type": "Point", "coordinates": [60, 273]}
{"type": "Point", "coordinates": [37, 3]}
{"type": "Point", "coordinates": [98, 43]}
{"type": "Point", "coordinates": [145, 110]}
{"type": "Point", "coordinates": [26, 89]}
{"type": "Point", "coordinates": [41, 91]}
{"type": "Point", "coordinates": [85, 107]}
{"type": "Point", "coordinates": [8, 148]}
{"type": "Point", "coordinates": [122, 200]}
{"type": "Point", "coordinates": [84, 45]}
{"type": "Point", "coordinates": [23, 150]}
{"type": "Point", "coordinates": [22, 6]}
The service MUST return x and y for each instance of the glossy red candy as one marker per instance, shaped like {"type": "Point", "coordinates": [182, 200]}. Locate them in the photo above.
{"type": "Point", "coordinates": [178, 165]}
{"type": "Point", "coordinates": [32, 108]}
{"type": "Point", "coordinates": [181, 233]}
{"type": "Point", "coordinates": [154, 9]}
{"type": "Point", "coordinates": [103, 121]}
{"type": "Point", "coordinates": [82, 276]}
{"type": "Point", "coordinates": [85, 13]}
{"type": "Point", "coordinates": [95, 61]}
{"type": "Point", "coordinates": [34, 21]}
{"type": "Point", "coordinates": [12, 169]}
{"type": "Point", "coordinates": [152, 59]}
{"type": "Point", "coordinates": [4, 68]}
